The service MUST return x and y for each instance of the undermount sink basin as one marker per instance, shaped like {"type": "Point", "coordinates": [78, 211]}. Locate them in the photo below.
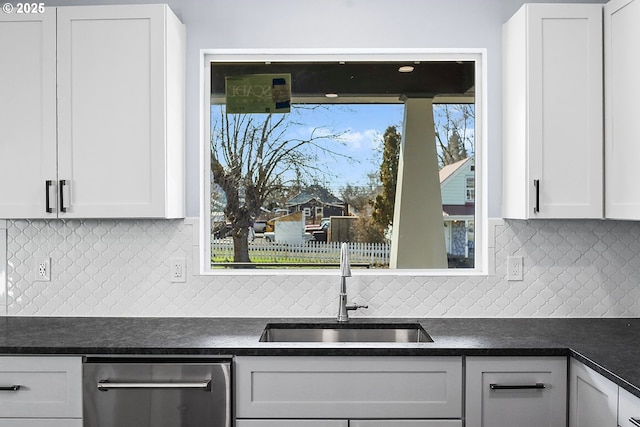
{"type": "Point", "coordinates": [350, 332]}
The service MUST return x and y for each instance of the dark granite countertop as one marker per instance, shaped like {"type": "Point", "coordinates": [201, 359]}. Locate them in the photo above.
{"type": "Point", "coordinates": [608, 346]}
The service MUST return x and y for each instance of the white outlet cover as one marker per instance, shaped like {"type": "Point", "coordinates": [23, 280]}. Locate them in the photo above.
{"type": "Point", "coordinates": [514, 268]}
{"type": "Point", "coordinates": [177, 270]}
{"type": "Point", "coordinates": [42, 269]}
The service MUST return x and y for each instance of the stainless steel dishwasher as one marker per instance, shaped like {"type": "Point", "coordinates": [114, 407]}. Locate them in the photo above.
{"type": "Point", "coordinates": [156, 392]}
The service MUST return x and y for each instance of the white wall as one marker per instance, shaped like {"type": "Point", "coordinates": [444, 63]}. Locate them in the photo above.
{"type": "Point", "coordinates": [120, 267]}
{"type": "Point", "coordinates": [226, 24]}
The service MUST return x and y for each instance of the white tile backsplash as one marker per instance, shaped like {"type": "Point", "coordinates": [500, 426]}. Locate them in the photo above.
{"type": "Point", "coordinates": [584, 268]}
{"type": "Point", "coordinates": [3, 267]}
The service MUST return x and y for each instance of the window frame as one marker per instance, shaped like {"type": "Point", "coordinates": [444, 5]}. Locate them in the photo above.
{"type": "Point", "coordinates": [477, 55]}
{"type": "Point", "coordinates": [468, 199]}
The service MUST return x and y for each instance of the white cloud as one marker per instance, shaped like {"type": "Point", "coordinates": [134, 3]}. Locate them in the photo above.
{"type": "Point", "coordinates": [357, 141]}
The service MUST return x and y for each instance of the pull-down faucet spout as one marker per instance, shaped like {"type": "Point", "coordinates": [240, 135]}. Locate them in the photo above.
{"type": "Point", "coordinates": [345, 271]}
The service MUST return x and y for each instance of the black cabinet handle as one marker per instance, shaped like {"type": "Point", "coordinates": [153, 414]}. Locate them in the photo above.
{"type": "Point", "coordinates": [535, 386]}
{"type": "Point", "coordinates": [536, 183]}
{"type": "Point", "coordinates": [635, 421]}
{"type": "Point", "coordinates": [47, 202]}
{"type": "Point", "coordinates": [10, 388]}
{"type": "Point", "coordinates": [63, 182]}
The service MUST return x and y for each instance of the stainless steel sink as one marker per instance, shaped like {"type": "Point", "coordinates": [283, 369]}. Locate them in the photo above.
{"type": "Point", "coordinates": [352, 332]}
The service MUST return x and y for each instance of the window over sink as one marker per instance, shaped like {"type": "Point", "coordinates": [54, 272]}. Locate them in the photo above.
{"type": "Point", "coordinates": [339, 163]}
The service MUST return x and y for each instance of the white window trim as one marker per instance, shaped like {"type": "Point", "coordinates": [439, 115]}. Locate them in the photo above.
{"type": "Point", "coordinates": [484, 260]}
{"type": "Point", "coordinates": [466, 188]}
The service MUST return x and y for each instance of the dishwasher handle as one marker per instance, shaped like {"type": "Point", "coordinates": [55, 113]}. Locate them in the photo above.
{"type": "Point", "coordinates": [106, 385]}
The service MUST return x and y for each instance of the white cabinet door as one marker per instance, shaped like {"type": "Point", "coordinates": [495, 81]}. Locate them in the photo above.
{"type": "Point", "coordinates": [40, 422]}
{"type": "Point", "coordinates": [348, 387]}
{"type": "Point", "coordinates": [405, 423]}
{"type": "Point", "coordinates": [41, 387]}
{"type": "Point", "coordinates": [552, 112]}
{"type": "Point", "coordinates": [516, 391]}
{"type": "Point", "coordinates": [628, 409]}
{"type": "Point", "coordinates": [621, 47]}
{"type": "Point", "coordinates": [292, 423]}
{"type": "Point", "coordinates": [112, 112]}
{"type": "Point", "coordinates": [593, 398]}
{"type": "Point", "coordinates": [27, 114]}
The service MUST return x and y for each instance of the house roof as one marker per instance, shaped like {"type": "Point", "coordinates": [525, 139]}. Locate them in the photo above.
{"type": "Point", "coordinates": [314, 192]}
{"type": "Point", "coordinates": [449, 170]}
{"type": "Point", "coordinates": [458, 210]}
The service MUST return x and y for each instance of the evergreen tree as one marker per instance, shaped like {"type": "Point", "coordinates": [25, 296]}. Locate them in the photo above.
{"type": "Point", "coordinates": [384, 202]}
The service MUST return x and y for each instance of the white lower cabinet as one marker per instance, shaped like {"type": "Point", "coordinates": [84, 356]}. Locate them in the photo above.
{"type": "Point", "coordinates": [628, 409]}
{"type": "Point", "coordinates": [292, 423]}
{"type": "Point", "coordinates": [40, 391]}
{"type": "Point", "coordinates": [367, 391]}
{"type": "Point", "coordinates": [34, 422]}
{"type": "Point", "coordinates": [405, 423]}
{"type": "Point", "coordinates": [349, 423]}
{"type": "Point", "coordinates": [598, 402]}
{"type": "Point", "coordinates": [593, 398]}
{"type": "Point", "coordinates": [516, 391]}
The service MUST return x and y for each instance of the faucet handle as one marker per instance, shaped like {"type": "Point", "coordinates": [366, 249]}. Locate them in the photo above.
{"type": "Point", "coordinates": [354, 306]}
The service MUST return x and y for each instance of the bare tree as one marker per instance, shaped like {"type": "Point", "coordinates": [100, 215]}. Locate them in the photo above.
{"type": "Point", "coordinates": [255, 156]}
{"type": "Point", "coordinates": [454, 132]}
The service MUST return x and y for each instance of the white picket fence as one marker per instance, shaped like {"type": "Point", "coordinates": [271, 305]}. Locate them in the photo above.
{"type": "Point", "coordinates": [375, 255]}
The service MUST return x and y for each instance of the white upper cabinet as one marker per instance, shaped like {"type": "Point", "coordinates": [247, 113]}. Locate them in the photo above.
{"type": "Point", "coordinates": [553, 112]}
{"type": "Point", "coordinates": [27, 113]}
{"type": "Point", "coordinates": [622, 148]}
{"type": "Point", "coordinates": [119, 141]}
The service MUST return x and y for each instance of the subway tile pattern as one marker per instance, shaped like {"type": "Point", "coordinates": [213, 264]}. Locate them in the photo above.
{"type": "Point", "coordinates": [573, 268]}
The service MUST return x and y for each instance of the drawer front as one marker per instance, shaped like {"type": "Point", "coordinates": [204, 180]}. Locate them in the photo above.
{"type": "Point", "coordinates": [629, 407]}
{"type": "Point", "coordinates": [349, 387]}
{"type": "Point", "coordinates": [516, 391]}
{"type": "Point", "coordinates": [405, 423]}
{"type": "Point", "coordinates": [50, 387]}
{"type": "Point", "coordinates": [40, 422]}
{"type": "Point", "coordinates": [292, 423]}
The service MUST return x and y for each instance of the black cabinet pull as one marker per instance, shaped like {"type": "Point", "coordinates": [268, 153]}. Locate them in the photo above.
{"type": "Point", "coordinates": [535, 386]}
{"type": "Point", "coordinates": [635, 421]}
{"type": "Point", "coordinates": [10, 388]}
{"type": "Point", "coordinates": [63, 182]}
{"type": "Point", "coordinates": [47, 202]}
{"type": "Point", "coordinates": [536, 183]}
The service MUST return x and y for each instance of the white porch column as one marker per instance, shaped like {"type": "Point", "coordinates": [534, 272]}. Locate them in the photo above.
{"type": "Point", "coordinates": [418, 240]}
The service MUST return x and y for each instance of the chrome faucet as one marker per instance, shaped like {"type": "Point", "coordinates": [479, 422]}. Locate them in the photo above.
{"type": "Point", "coordinates": [345, 271]}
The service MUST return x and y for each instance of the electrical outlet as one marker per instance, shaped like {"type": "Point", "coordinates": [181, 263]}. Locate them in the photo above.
{"type": "Point", "coordinates": [43, 269]}
{"type": "Point", "coordinates": [177, 270]}
{"type": "Point", "coordinates": [514, 268]}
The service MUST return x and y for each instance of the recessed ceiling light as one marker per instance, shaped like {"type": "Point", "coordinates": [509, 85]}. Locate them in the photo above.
{"type": "Point", "coordinates": [406, 69]}
{"type": "Point", "coordinates": [331, 95]}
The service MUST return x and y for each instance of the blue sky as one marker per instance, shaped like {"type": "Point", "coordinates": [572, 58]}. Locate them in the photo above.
{"type": "Point", "coordinates": [361, 127]}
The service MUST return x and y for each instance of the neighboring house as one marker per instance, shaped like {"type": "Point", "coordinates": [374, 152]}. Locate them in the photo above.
{"type": "Point", "coordinates": [316, 202]}
{"type": "Point", "coordinates": [457, 185]}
